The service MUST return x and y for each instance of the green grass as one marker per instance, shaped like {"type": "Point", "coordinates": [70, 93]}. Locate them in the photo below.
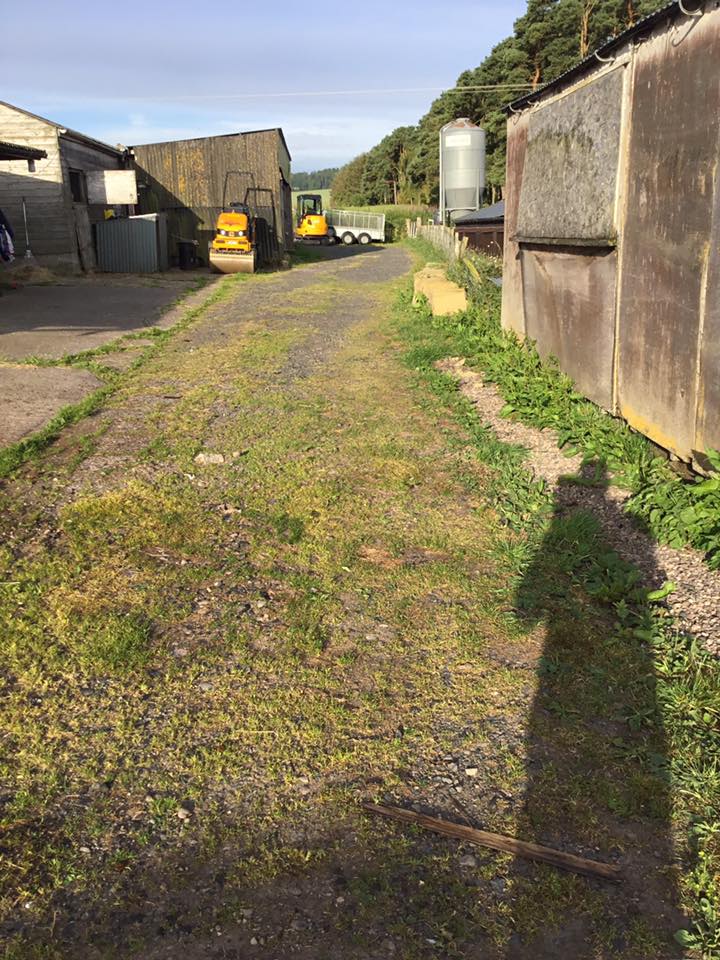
{"type": "Point", "coordinates": [685, 704]}
{"type": "Point", "coordinates": [325, 194]}
{"type": "Point", "coordinates": [14, 455]}
{"type": "Point", "coordinates": [319, 620]}
{"type": "Point", "coordinates": [677, 512]}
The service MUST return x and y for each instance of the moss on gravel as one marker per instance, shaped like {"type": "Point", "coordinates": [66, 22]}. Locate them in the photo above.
{"type": "Point", "coordinates": [208, 667]}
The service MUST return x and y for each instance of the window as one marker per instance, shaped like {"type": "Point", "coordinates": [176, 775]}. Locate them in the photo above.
{"type": "Point", "coordinates": [78, 187]}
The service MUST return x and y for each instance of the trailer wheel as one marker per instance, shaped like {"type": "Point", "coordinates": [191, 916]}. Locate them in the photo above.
{"type": "Point", "coordinates": [364, 238]}
{"type": "Point", "coordinates": [347, 238]}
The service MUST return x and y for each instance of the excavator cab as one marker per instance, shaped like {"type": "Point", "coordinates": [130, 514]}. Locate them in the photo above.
{"type": "Point", "coordinates": [311, 225]}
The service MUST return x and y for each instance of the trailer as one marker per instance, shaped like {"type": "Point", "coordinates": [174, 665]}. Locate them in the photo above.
{"type": "Point", "coordinates": [352, 226]}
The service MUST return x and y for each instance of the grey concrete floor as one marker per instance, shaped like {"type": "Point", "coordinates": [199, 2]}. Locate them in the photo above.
{"type": "Point", "coordinates": [64, 318]}
{"type": "Point", "coordinates": [56, 320]}
{"type": "Point", "coordinates": [31, 396]}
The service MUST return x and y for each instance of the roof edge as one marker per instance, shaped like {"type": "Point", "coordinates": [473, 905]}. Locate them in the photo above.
{"type": "Point", "coordinates": [214, 136]}
{"type": "Point", "coordinates": [64, 131]}
{"type": "Point", "coordinates": [69, 134]}
{"type": "Point", "coordinates": [20, 152]}
{"type": "Point", "coordinates": [645, 25]}
{"type": "Point", "coordinates": [29, 113]}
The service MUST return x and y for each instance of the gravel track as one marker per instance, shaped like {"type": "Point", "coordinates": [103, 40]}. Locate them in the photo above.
{"type": "Point", "coordinates": [695, 602]}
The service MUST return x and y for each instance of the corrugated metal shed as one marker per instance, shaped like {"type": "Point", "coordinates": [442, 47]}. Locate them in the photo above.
{"type": "Point", "coordinates": [132, 245]}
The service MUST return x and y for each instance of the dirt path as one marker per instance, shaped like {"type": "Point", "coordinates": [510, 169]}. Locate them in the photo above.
{"type": "Point", "coordinates": [259, 588]}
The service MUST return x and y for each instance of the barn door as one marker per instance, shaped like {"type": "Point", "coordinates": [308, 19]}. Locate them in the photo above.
{"type": "Point", "coordinates": [83, 237]}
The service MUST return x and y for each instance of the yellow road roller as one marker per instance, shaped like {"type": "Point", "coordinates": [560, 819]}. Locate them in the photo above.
{"type": "Point", "coordinates": [232, 249]}
{"type": "Point", "coordinates": [311, 225]}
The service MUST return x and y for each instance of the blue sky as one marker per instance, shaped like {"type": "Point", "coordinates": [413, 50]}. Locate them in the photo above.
{"type": "Point", "coordinates": [137, 72]}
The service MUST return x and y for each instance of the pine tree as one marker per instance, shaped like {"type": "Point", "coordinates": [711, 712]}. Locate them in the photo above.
{"type": "Point", "coordinates": [347, 187]}
{"type": "Point", "coordinates": [548, 39]}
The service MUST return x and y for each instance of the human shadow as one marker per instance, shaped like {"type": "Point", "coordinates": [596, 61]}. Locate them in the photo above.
{"type": "Point", "coordinates": [596, 780]}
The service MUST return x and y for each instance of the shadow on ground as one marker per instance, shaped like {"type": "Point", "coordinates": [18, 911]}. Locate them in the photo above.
{"type": "Point", "coordinates": [337, 251]}
{"type": "Point", "coordinates": [596, 764]}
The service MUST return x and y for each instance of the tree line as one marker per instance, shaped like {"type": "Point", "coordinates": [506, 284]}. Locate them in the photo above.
{"type": "Point", "coordinates": [314, 179]}
{"type": "Point", "coordinates": [546, 41]}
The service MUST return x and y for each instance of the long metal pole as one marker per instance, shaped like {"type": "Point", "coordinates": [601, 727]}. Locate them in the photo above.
{"type": "Point", "coordinates": [28, 251]}
{"type": "Point", "coordinates": [442, 182]}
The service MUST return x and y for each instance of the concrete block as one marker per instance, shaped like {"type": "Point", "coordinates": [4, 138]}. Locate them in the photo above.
{"type": "Point", "coordinates": [424, 280]}
{"type": "Point", "coordinates": [445, 298]}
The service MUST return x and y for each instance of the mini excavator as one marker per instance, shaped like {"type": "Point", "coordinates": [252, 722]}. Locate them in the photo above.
{"type": "Point", "coordinates": [311, 225]}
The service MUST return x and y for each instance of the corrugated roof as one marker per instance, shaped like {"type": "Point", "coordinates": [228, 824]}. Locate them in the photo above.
{"type": "Point", "coordinates": [484, 215]}
{"type": "Point", "coordinates": [16, 151]}
{"type": "Point", "coordinates": [670, 11]}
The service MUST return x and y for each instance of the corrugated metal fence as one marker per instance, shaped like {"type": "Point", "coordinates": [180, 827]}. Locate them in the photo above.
{"type": "Point", "coordinates": [132, 244]}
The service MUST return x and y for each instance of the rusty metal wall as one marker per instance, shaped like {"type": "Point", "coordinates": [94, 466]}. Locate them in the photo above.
{"type": "Point", "coordinates": [667, 256]}
{"type": "Point", "coordinates": [707, 429]}
{"type": "Point", "coordinates": [570, 312]}
{"type": "Point", "coordinates": [513, 315]}
{"type": "Point", "coordinates": [655, 356]}
{"type": "Point", "coordinates": [185, 178]}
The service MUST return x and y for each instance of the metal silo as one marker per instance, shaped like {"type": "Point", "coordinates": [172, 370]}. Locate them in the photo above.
{"type": "Point", "coordinates": [462, 168]}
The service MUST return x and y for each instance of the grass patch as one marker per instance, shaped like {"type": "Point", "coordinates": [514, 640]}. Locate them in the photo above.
{"type": "Point", "coordinates": [305, 253]}
{"type": "Point", "coordinates": [326, 616]}
{"type": "Point", "coordinates": [114, 642]}
{"type": "Point", "coordinates": [677, 512]}
{"type": "Point", "coordinates": [16, 454]}
{"type": "Point", "coordinates": [674, 682]}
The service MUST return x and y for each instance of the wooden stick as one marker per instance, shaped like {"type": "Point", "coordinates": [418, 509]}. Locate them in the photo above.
{"type": "Point", "coordinates": [496, 841]}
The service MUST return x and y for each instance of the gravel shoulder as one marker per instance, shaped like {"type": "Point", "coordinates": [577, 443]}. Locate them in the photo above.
{"type": "Point", "coordinates": [695, 601]}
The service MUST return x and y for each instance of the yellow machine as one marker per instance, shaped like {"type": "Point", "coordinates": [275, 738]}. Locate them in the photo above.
{"type": "Point", "coordinates": [311, 225]}
{"type": "Point", "coordinates": [232, 249]}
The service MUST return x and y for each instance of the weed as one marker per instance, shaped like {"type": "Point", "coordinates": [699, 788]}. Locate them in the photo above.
{"type": "Point", "coordinates": [686, 676]}
{"type": "Point", "coordinates": [678, 512]}
{"type": "Point", "coordinates": [16, 454]}
{"type": "Point", "coordinates": [116, 642]}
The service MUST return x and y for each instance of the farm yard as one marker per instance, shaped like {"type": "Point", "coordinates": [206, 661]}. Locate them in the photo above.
{"type": "Point", "coordinates": [360, 504]}
{"type": "Point", "coordinates": [286, 568]}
